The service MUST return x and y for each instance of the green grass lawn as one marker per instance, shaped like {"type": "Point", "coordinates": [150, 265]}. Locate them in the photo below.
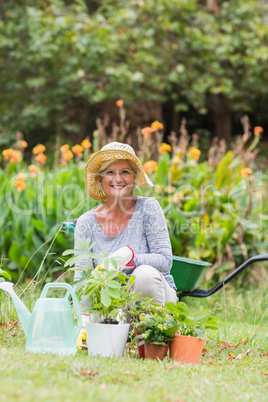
{"type": "Point", "coordinates": [236, 370]}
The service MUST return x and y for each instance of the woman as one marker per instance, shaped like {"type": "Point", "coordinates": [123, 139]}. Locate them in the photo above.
{"type": "Point", "coordinates": [125, 219]}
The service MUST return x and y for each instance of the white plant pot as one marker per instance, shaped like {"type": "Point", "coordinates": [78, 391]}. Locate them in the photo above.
{"type": "Point", "coordinates": [107, 340]}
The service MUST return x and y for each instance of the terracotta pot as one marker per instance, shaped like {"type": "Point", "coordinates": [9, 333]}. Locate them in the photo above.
{"type": "Point", "coordinates": [186, 349]}
{"type": "Point", "coordinates": [154, 352]}
{"type": "Point", "coordinates": [140, 348]}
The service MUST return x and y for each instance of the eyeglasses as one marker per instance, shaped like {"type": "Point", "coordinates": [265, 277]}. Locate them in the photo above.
{"type": "Point", "coordinates": [124, 173]}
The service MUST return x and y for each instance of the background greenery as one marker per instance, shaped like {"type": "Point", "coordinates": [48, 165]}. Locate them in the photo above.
{"type": "Point", "coordinates": [62, 61]}
{"type": "Point", "coordinates": [215, 204]}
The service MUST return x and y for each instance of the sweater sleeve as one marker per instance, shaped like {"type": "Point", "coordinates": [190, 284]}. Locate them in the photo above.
{"type": "Point", "coordinates": [157, 237]}
{"type": "Point", "coordinates": [82, 231]}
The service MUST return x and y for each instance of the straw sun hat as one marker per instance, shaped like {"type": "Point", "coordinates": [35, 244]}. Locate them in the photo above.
{"type": "Point", "coordinates": [111, 151]}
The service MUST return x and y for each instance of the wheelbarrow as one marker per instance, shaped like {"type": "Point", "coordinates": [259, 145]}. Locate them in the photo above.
{"type": "Point", "coordinates": [188, 273]}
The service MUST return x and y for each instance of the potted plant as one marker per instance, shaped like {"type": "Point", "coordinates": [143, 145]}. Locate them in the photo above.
{"type": "Point", "coordinates": [105, 293]}
{"type": "Point", "coordinates": [143, 305]}
{"type": "Point", "coordinates": [155, 328]}
{"type": "Point", "coordinates": [188, 341]}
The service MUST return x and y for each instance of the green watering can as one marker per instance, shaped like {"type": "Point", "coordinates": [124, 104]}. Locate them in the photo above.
{"type": "Point", "coordinates": [50, 328]}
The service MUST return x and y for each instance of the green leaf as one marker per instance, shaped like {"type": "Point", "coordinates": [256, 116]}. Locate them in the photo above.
{"type": "Point", "coordinates": [113, 262]}
{"type": "Point", "coordinates": [83, 245]}
{"type": "Point", "coordinates": [199, 332]}
{"type": "Point", "coordinates": [202, 315]}
{"type": "Point", "coordinates": [79, 258]}
{"type": "Point", "coordinates": [23, 261]}
{"type": "Point", "coordinates": [28, 242]}
{"type": "Point", "coordinates": [170, 331]}
{"type": "Point", "coordinates": [62, 240]}
{"type": "Point", "coordinates": [190, 206]}
{"type": "Point", "coordinates": [39, 225]}
{"type": "Point", "coordinates": [108, 276]}
{"type": "Point", "coordinates": [68, 252]}
{"type": "Point", "coordinates": [37, 241]}
{"type": "Point", "coordinates": [71, 261]}
{"type": "Point", "coordinates": [223, 172]}
{"type": "Point", "coordinates": [115, 293]}
{"type": "Point", "coordinates": [5, 274]}
{"type": "Point", "coordinates": [163, 169]}
{"type": "Point", "coordinates": [132, 279]}
{"type": "Point", "coordinates": [105, 298]}
{"type": "Point", "coordinates": [113, 284]}
{"type": "Point", "coordinates": [91, 255]}
{"type": "Point", "coordinates": [105, 263]}
{"type": "Point", "coordinates": [170, 306]}
{"type": "Point", "coordinates": [212, 326]}
{"type": "Point", "coordinates": [89, 290]}
{"type": "Point", "coordinates": [96, 274]}
{"type": "Point", "coordinates": [15, 252]}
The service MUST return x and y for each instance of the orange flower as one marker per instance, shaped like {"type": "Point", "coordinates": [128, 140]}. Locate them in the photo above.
{"type": "Point", "coordinates": [68, 155]}
{"type": "Point", "coordinates": [164, 148]}
{"type": "Point", "coordinates": [150, 166]}
{"type": "Point", "coordinates": [245, 172]}
{"type": "Point", "coordinates": [22, 144]}
{"type": "Point", "coordinates": [21, 176]}
{"type": "Point", "coordinates": [33, 169]}
{"type": "Point", "coordinates": [86, 144]}
{"type": "Point", "coordinates": [7, 153]}
{"type": "Point", "coordinates": [41, 158]}
{"type": "Point", "coordinates": [146, 131]}
{"type": "Point", "coordinates": [64, 148]}
{"type": "Point", "coordinates": [77, 150]}
{"type": "Point", "coordinates": [39, 149]}
{"type": "Point", "coordinates": [195, 153]}
{"type": "Point", "coordinates": [11, 155]}
{"type": "Point", "coordinates": [20, 184]}
{"type": "Point", "coordinates": [258, 130]}
{"type": "Point", "coordinates": [119, 103]}
{"type": "Point", "coordinates": [15, 157]}
{"type": "Point", "coordinates": [156, 125]}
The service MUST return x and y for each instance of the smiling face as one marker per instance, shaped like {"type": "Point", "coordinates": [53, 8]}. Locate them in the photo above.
{"type": "Point", "coordinates": [118, 179]}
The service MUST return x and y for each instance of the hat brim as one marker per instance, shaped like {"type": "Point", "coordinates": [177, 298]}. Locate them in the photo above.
{"type": "Point", "coordinates": [91, 172]}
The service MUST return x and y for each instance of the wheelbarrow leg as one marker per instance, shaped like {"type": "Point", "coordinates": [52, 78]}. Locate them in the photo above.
{"type": "Point", "coordinates": [209, 292]}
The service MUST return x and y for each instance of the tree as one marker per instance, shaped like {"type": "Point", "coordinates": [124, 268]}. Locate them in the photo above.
{"type": "Point", "coordinates": [57, 59]}
{"type": "Point", "coordinates": [210, 57]}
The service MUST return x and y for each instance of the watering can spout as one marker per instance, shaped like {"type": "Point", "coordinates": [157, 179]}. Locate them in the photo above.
{"type": "Point", "coordinates": [22, 311]}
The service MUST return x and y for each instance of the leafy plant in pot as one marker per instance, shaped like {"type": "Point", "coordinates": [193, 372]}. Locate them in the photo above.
{"type": "Point", "coordinates": [105, 294]}
{"type": "Point", "coordinates": [156, 329]}
{"type": "Point", "coordinates": [143, 305]}
{"type": "Point", "coordinates": [188, 341]}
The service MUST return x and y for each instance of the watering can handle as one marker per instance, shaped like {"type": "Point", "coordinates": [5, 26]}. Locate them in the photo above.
{"type": "Point", "coordinates": [70, 291]}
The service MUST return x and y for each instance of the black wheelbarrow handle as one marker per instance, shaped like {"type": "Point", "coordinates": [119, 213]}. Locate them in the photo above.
{"type": "Point", "coordinates": [209, 292]}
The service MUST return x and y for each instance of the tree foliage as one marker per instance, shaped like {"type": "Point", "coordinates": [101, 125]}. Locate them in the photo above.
{"type": "Point", "coordinates": [58, 57]}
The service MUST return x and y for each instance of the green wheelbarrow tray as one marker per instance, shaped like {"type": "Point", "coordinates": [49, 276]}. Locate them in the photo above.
{"type": "Point", "coordinates": [188, 274]}
{"type": "Point", "coordinates": [194, 292]}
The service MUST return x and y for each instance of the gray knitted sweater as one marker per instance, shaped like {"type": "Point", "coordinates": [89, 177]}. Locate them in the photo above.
{"type": "Point", "coordinates": [146, 233]}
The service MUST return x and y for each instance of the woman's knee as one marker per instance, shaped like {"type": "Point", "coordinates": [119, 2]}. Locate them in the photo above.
{"type": "Point", "coordinates": [149, 282]}
{"type": "Point", "coordinates": [145, 272]}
